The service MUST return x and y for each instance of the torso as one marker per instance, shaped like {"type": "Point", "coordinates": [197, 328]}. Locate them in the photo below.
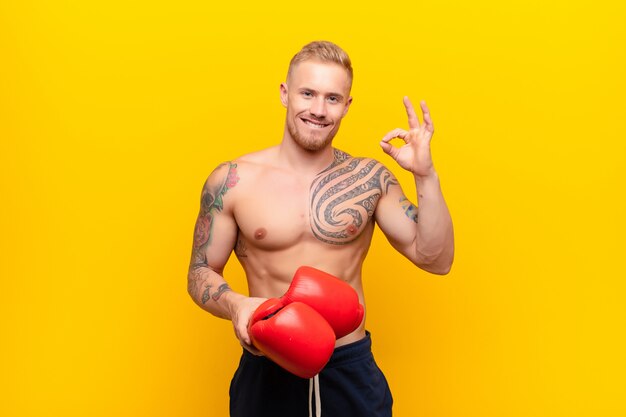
{"type": "Point", "coordinates": [287, 220]}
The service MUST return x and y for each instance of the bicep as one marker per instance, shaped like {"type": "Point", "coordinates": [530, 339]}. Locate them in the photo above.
{"type": "Point", "coordinates": [397, 218]}
{"type": "Point", "coordinates": [215, 230]}
{"type": "Point", "coordinates": [214, 240]}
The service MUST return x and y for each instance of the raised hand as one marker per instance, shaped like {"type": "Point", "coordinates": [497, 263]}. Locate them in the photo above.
{"type": "Point", "coordinates": [414, 155]}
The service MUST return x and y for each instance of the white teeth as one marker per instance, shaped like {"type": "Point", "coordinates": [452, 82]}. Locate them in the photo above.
{"type": "Point", "coordinates": [314, 124]}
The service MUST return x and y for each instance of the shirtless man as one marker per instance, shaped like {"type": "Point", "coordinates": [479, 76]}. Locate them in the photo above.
{"type": "Point", "coordinates": [304, 202]}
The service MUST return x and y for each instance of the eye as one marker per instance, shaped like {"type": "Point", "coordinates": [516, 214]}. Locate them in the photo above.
{"type": "Point", "coordinates": [333, 99]}
{"type": "Point", "coordinates": [307, 94]}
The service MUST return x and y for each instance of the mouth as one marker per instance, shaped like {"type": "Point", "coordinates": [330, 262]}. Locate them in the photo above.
{"type": "Point", "coordinates": [314, 124]}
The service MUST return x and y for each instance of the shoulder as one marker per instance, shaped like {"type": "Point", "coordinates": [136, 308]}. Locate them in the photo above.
{"type": "Point", "coordinates": [229, 171]}
{"type": "Point", "coordinates": [252, 164]}
{"type": "Point", "coordinates": [225, 174]}
{"type": "Point", "coordinates": [261, 157]}
{"type": "Point", "coordinates": [220, 180]}
{"type": "Point", "coordinates": [360, 168]}
{"type": "Point", "coordinates": [234, 174]}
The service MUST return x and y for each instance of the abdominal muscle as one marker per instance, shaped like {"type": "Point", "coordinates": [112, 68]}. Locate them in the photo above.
{"type": "Point", "coordinates": [270, 272]}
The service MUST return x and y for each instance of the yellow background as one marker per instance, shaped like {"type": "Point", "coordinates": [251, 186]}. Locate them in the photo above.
{"type": "Point", "coordinates": [113, 113]}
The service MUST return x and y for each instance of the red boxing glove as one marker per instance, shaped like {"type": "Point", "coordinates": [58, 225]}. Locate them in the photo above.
{"type": "Point", "coordinates": [294, 336]}
{"type": "Point", "coordinates": [333, 298]}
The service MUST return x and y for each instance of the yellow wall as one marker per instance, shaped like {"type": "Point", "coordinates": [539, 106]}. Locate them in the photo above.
{"type": "Point", "coordinates": [112, 114]}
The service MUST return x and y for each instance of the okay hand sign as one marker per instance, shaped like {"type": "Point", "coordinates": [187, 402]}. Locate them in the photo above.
{"type": "Point", "coordinates": [414, 155]}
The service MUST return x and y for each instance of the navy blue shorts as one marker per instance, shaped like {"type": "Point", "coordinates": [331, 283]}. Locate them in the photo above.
{"type": "Point", "coordinates": [351, 384]}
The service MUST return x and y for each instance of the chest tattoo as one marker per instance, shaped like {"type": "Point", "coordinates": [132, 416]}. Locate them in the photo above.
{"type": "Point", "coordinates": [344, 197]}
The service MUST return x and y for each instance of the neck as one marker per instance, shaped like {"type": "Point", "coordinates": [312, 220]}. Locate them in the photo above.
{"type": "Point", "coordinates": [303, 161]}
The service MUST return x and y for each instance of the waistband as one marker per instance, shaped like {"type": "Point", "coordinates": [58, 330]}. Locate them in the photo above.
{"type": "Point", "coordinates": [361, 349]}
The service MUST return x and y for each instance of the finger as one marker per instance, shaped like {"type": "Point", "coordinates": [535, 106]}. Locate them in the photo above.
{"type": "Point", "coordinates": [395, 133]}
{"type": "Point", "coordinates": [241, 330]}
{"type": "Point", "coordinates": [428, 122]}
{"type": "Point", "coordinates": [389, 149]}
{"type": "Point", "coordinates": [414, 122]}
{"type": "Point", "coordinates": [245, 337]}
{"type": "Point", "coordinates": [252, 349]}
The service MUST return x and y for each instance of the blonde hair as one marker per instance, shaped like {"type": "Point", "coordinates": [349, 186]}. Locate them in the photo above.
{"type": "Point", "coordinates": [323, 51]}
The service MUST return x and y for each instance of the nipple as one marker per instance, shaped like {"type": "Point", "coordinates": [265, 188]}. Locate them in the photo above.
{"type": "Point", "coordinates": [260, 233]}
{"type": "Point", "coordinates": [352, 229]}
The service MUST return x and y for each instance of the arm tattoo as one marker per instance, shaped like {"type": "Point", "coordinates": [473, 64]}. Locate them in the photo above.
{"type": "Point", "coordinates": [194, 278]}
{"type": "Point", "coordinates": [344, 197]}
{"type": "Point", "coordinates": [221, 290]}
{"type": "Point", "coordinates": [206, 295]}
{"type": "Point", "coordinates": [211, 203]}
{"type": "Point", "coordinates": [409, 209]}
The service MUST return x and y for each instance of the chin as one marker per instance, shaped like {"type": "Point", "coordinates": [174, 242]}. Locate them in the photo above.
{"type": "Point", "coordinates": [310, 143]}
{"type": "Point", "coordinates": [314, 145]}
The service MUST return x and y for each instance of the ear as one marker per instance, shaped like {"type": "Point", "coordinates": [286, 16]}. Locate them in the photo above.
{"type": "Point", "coordinates": [283, 94]}
{"type": "Point", "coordinates": [345, 111]}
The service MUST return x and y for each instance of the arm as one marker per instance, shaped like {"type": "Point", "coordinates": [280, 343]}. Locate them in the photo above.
{"type": "Point", "coordinates": [214, 239]}
{"type": "Point", "coordinates": [423, 234]}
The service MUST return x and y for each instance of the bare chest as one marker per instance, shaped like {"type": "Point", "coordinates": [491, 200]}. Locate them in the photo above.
{"type": "Point", "coordinates": [334, 208]}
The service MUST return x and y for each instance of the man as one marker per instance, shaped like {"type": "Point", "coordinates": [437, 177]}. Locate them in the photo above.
{"type": "Point", "coordinates": [304, 202]}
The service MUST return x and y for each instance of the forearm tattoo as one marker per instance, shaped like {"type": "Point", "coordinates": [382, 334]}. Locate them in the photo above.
{"type": "Point", "coordinates": [221, 290]}
{"type": "Point", "coordinates": [409, 209]}
{"type": "Point", "coordinates": [192, 281]}
{"type": "Point", "coordinates": [344, 197]}
{"type": "Point", "coordinates": [206, 295]}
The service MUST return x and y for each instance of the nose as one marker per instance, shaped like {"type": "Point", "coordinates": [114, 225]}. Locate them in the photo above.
{"type": "Point", "coordinates": [318, 108]}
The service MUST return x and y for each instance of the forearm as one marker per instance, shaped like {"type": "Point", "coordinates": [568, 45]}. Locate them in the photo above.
{"type": "Point", "coordinates": [211, 292]}
{"type": "Point", "coordinates": [434, 243]}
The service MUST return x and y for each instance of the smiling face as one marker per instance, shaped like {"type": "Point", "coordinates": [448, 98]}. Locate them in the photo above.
{"type": "Point", "coordinates": [317, 97]}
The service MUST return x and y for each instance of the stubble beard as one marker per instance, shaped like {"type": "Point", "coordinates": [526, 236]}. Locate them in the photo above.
{"type": "Point", "coordinates": [310, 143]}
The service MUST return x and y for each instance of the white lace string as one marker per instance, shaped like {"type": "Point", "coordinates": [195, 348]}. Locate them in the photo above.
{"type": "Point", "coordinates": [314, 384]}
